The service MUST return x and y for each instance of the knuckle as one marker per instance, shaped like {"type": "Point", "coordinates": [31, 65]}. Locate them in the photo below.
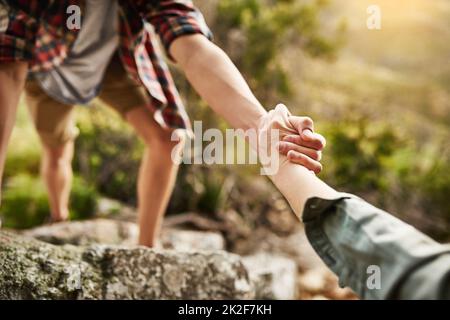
{"type": "Point", "coordinates": [282, 147]}
{"type": "Point", "coordinates": [316, 155]}
{"type": "Point", "coordinates": [319, 144]}
{"type": "Point", "coordinates": [307, 121]}
{"type": "Point", "coordinates": [295, 156]}
{"type": "Point", "coordinates": [318, 168]}
{"type": "Point", "coordinates": [303, 159]}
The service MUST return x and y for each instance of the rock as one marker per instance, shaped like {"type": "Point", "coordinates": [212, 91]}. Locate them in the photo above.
{"type": "Point", "coordinates": [294, 246]}
{"type": "Point", "coordinates": [320, 283]}
{"type": "Point", "coordinates": [274, 277]}
{"type": "Point", "coordinates": [313, 281]}
{"type": "Point", "coordinates": [112, 209]}
{"type": "Point", "coordinates": [87, 232]}
{"type": "Point", "coordinates": [107, 207]}
{"type": "Point", "coordinates": [106, 231]}
{"type": "Point", "coordinates": [185, 240]}
{"type": "Point", "coordinates": [31, 269]}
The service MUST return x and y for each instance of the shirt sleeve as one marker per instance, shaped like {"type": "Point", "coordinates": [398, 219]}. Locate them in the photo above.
{"type": "Point", "coordinates": [374, 253]}
{"type": "Point", "coordinates": [175, 18]}
{"type": "Point", "coordinates": [18, 28]}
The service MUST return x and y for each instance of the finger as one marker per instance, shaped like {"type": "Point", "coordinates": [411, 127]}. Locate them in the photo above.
{"type": "Point", "coordinates": [314, 137]}
{"type": "Point", "coordinates": [301, 123]}
{"type": "Point", "coordinates": [317, 143]}
{"type": "Point", "coordinates": [307, 162]}
{"type": "Point", "coordinates": [285, 147]}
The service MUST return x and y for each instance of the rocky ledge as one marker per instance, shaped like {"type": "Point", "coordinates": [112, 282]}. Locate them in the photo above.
{"type": "Point", "coordinates": [31, 269]}
{"type": "Point", "coordinates": [98, 259]}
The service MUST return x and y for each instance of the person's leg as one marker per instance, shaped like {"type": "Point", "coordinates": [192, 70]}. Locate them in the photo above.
{"type": "Point", "coordinates": [56, 128]}
{"type": "Point", "coordinates": [157, 172]}
{"type": "Point", "coordinates": [56, 170]}
{"type": "Point", "coordinates": [12, 79]}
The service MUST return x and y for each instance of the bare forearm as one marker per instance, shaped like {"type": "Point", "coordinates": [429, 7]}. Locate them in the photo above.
{"type": "Point", "coordinates": [298, 184]}
{"type": "Point", "coordinates": [218, 81]}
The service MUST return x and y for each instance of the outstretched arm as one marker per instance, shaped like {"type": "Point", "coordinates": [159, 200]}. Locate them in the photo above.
{"type": "Point", "coordinates": [217, 80]}
{"type": "Point", "coordinates": [221, 85]}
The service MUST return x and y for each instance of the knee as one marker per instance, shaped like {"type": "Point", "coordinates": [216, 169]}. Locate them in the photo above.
{"type": "Point", "coordinates": [56, 158]}
{"type": "Point", "coordinates": [164, 141]}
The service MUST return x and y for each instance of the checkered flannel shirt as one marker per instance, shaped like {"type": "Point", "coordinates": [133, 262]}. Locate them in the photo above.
{"type": "Point", "coordinates": [36, 31]}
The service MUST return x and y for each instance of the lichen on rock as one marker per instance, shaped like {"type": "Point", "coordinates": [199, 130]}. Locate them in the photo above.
{"type": "Point", "coordinates": [31, 269]}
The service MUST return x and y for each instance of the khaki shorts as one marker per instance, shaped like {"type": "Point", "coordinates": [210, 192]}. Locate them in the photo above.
{"type": "Point", "coordinates": [55, 121]}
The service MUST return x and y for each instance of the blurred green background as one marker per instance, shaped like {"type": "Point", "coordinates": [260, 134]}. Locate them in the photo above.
{"type": "Point", "coordinates": [380, 97]}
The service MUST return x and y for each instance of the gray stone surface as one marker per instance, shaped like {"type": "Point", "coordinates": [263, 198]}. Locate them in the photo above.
{"type": "Point", "coordinates": [87, 232]}
{"type": "Point", "coordinates": [31, 269]}
{"type": "Point", "coordinates": [272, 276]}
{"type": "Point", "coordinates": [195, 266]}
{"type": "Point", "coordinates": [186, 240]}
{"type": "Point", "coordinates": [106, 231]}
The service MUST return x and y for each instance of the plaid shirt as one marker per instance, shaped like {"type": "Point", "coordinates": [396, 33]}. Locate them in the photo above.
{"type": "Point", "coordinates": [35, 31]}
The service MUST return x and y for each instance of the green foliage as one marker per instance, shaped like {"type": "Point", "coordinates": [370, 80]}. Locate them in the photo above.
{"type": "Point", "coordinates": [25, 202]}
{"type": "Point", "coordinates": [83, 199]}
{"type": "Point", "coordinates": [359, 152]}
{"type": "Point", "coordinates": [264, 29]}
{"type": "Point", "coordinates": [202, 189]}
{"type": "Point", "coordinates": [435, 185]}
{"type": "Point", "coordinates": [108, 153]}
{"type": "Point", "coordinates": [379, 162]}
{"type": "Point", "coordinates": [428, 177]}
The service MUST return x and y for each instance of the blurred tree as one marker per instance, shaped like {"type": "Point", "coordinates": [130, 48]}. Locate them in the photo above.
{"type": "Point", "coordinates": [257, 34]}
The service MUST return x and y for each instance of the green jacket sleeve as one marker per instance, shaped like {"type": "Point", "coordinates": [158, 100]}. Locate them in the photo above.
{"type": "Point", "coordinates": [374, 253]}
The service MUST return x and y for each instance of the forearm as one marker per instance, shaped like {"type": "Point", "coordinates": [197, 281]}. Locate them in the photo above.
{"type": "Point", "coordinates": [214, 76]}
{"type": "Point", "coordinates": [298, 184]}
{"type": "Point", "coordinates": [218, 81]}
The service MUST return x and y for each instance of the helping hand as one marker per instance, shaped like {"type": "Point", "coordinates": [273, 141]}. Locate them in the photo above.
{"type": "Point", "coordinates": [305, 147]}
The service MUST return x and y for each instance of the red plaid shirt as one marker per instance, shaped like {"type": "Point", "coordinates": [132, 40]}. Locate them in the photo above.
{"type": "Point", "coordinates": [35, 31]}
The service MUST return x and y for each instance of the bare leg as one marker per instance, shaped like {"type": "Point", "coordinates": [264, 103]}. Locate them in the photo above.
{"type": "Point", "coordinates": [12, 80]}
{"type": "Point", "coordinates": [56, 170]}
{"type": "Point", "coordinates": [157, 174]}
